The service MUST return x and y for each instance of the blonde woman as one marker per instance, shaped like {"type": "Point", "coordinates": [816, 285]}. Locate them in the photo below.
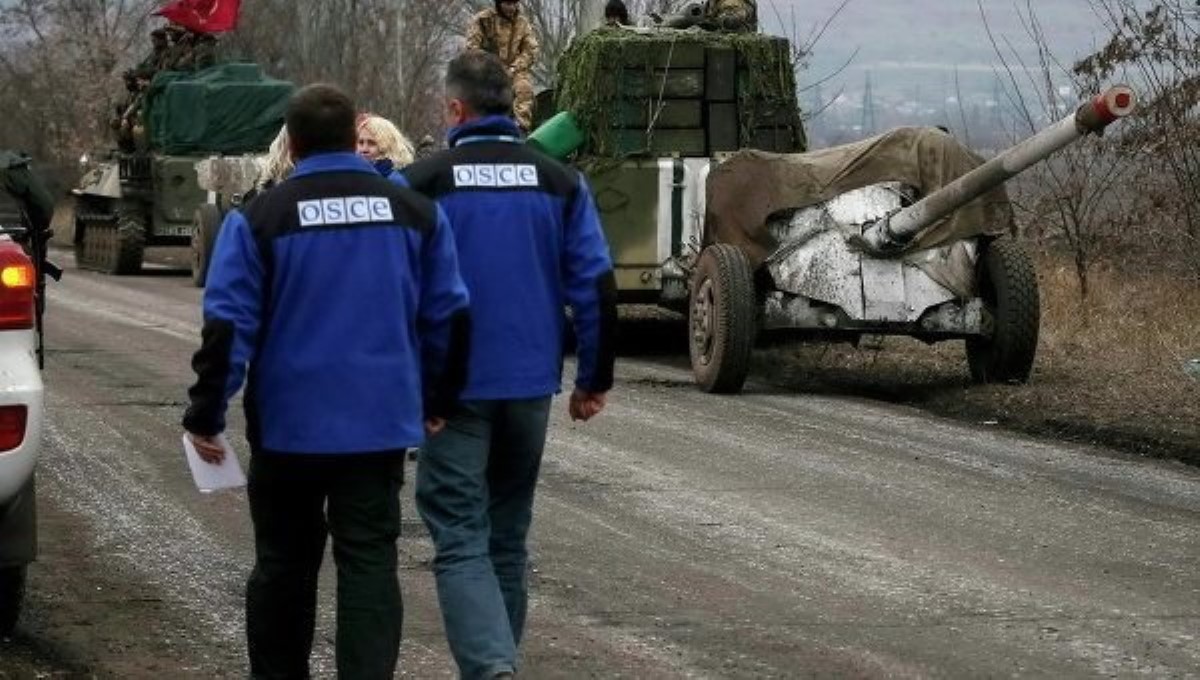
{"type": "Point", "coordinates": [277, 164]}
{"type": "Point", "coordinates": [382, 143]}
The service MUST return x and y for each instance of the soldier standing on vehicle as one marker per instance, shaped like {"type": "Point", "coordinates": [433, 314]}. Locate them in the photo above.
{"type": "Point", "coordinates": [504, 32]}
{"type": "Point", "coordinates": [175, 53]}
{"type": "Point", "coordinates": [616, 14]}
{"type": "Point", "coordinates": [529, 244]}
{"type": "Point", "coordinates": [204, 51]}
{"type": "Point", "coordinates": [338, 294]}
{"type": "Point", "coordinates": [731, 15]}
{"type": "Point", "coordinates": [151, 64]}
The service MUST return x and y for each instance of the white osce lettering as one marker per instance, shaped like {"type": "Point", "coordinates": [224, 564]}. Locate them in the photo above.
{"type": "Point", "coordinates": [344, 210]}
{"type": "Point", "coordinates": [356, 207]}
{"type": "Point", "coordinates": [335, 210]}
{"type": "Point", "coordinates": [496, 175]}
{"type": "Point", "coordinates": [381, 209]}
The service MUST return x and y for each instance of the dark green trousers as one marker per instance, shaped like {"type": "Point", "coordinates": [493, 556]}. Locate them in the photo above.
{"type": "Point", "coordinates": [295, 502]}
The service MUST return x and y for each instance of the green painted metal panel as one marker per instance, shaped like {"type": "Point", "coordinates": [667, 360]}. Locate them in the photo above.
{"type": "Point", "coordinates": [176, 195]}
{"type": "Point", "coordinates": [627, 198]}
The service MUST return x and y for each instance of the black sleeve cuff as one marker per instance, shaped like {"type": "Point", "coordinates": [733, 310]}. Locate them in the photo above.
{"type": "Point", "coordinates": [206, 413]}
{"type": "Point", "coordinates": [441, 398]}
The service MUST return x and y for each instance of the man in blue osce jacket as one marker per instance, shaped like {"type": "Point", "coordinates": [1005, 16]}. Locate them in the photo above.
{"type": "Point", "coordinates": [337, 295]}
{"type": "Point", "coordinates": [529, 244]}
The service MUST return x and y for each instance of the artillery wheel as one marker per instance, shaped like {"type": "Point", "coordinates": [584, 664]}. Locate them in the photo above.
{"type": "Point", "coordinates": [722, 319]}
{"type": "Point", "coordinates": [12, 594]}
{"type": "Point", "coordinates": [206, 222]}
{"type": "Point", "coordinates": [1009, 287]}
{"type": "Point", "coordinates": [110, 243]}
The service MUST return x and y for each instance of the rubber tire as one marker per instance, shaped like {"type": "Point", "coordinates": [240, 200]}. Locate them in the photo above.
{"type": "Point", "coordinates": [12, 595]}
{"type": "Point", "coordinates": [721, 356]}
{"type": "Point", "coordinates": [131, 239]}
{"type": "Point", "coordinates": [206, 223]}
{"type": "Point", "coordinates": [1008, 284]}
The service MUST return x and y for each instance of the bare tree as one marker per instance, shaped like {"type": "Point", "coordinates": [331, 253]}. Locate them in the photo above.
{"type": "Point", "coordinates": [1074, 192]}
{"type": "Point", "coordinates": [58, 63]}
{"type": "Point", "coordinates": [1157, 46]}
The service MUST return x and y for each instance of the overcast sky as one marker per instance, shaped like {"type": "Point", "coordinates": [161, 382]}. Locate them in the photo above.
{"type": "Point", "coordinates": [910, 40]}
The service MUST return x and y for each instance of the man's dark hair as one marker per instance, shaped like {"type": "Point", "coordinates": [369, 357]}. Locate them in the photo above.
{"type": "Point", "coordinates": [320, 119]}
{"type": "Point", "coordinates": [480, 81]}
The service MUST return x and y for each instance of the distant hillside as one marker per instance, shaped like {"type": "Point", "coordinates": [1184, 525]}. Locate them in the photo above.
{"type": "Point", "coordinates": [921, 57]}
{"type": "Point", "coordinates": [930, 33]}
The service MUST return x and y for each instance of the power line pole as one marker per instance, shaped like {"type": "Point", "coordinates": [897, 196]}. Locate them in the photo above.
{"type": "Point", "coordinates": [868, 108]}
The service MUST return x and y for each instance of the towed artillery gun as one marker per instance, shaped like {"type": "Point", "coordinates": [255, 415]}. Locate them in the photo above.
{"type": "Point", "coordinates": [907, 233]}
{"type": "Point", "coordinates": [887, 259]}
{"type": "Point", "coordinates": [146, 193]}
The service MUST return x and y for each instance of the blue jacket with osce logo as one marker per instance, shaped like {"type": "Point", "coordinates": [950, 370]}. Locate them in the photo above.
{"type": "Point", "coordinates": [338, 293]}
{"type": "Point", "coordinates": [530, 244]}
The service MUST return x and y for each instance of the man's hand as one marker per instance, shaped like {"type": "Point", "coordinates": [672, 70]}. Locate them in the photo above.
{"type": "Point", "coordinates": [209, 448]}
{"type": "Point", "coordinates": [434, 426]}
{"type": "Point", "coordinates": [585, 405]}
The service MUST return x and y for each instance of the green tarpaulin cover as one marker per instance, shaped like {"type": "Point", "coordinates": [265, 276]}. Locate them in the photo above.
{"type": "Point", "coordinates": [228, 109]}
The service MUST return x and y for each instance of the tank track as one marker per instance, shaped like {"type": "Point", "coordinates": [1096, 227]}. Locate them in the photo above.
{"type": "Point", "coordinates": [112, 241]}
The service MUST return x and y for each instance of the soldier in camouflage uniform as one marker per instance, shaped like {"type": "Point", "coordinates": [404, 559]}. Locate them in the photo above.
{"type": "Point", "coordinates": [732, 15]}
{"type": "Point", "coordinates": [508, 35]}
{"type": "Point", "coordinates": [178, 56]}
{"type": "Point", "coordinates": [153, 61]}
{"type": "Point", "coordinates": [25, 198]}
{"type": "Point", "coordinates": [204, 51]}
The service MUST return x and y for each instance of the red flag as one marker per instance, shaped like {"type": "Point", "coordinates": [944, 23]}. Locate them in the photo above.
{"type": "Point", "coordinates": [203, 16]}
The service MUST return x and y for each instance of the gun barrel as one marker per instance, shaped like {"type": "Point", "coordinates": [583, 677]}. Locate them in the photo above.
{"type": "Point", "coordinates": [891, 235]}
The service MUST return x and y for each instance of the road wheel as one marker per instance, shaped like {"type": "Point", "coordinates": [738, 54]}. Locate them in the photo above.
{"type": "Point", "coordinates": [1009, 287]}
{"type": "Point", "coordinates": [12, 593]}
{"type": "Point", "coordinates": [90, 216]}
{"type": "Point", "coordinates": [77, 238]}
{"type": "Point", "coordinates": [206, 222]}
{"type": "Point", "coordinates": [108, 242]}
{"type": "Point", "coordinates": [722, 319]}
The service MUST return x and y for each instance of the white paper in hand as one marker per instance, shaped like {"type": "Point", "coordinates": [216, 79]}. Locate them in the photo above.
{"type": "Point", "coordinates": [209, 477]}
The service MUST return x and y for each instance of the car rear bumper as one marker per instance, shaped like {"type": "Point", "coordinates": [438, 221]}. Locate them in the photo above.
{"type": "Point", "coordinates": [20, 383]}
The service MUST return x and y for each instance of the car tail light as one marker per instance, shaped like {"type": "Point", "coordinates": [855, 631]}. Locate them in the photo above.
{"type": "Point", "coordinates": [17, 279]}
{"type": "Point", "coordinates": [12, 426]}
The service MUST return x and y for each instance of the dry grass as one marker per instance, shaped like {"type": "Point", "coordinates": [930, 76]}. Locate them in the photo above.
{"type": "Point", "coordinates": [1110, 371]}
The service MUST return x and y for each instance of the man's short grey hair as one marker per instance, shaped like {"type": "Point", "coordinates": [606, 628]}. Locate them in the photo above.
{"type": "Point", "coordinates": [480, 80]}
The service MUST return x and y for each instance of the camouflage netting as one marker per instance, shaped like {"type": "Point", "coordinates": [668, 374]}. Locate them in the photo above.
{"type": "Point", "coordinates": [607, 68]}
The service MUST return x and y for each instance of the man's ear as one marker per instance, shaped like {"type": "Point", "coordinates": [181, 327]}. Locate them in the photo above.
{"type": "Point", "coordinates": [457, 110]}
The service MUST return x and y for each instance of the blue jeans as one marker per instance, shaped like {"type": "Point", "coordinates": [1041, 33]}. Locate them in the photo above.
{"type": "Point", "coordinates": [475, 485]}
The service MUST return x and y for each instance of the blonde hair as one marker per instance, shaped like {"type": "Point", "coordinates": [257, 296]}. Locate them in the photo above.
{"type": "Point", "coordinates": [277, 164]}
{"type": "Point", "coordinates": [393, 145]}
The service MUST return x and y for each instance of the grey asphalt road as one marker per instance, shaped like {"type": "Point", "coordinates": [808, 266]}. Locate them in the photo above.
{"type": "Point", "coordinates": [680, 535]}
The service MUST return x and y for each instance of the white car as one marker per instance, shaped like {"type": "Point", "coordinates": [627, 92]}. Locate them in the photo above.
{"type": "Point", "coordinates": [21, 410]}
